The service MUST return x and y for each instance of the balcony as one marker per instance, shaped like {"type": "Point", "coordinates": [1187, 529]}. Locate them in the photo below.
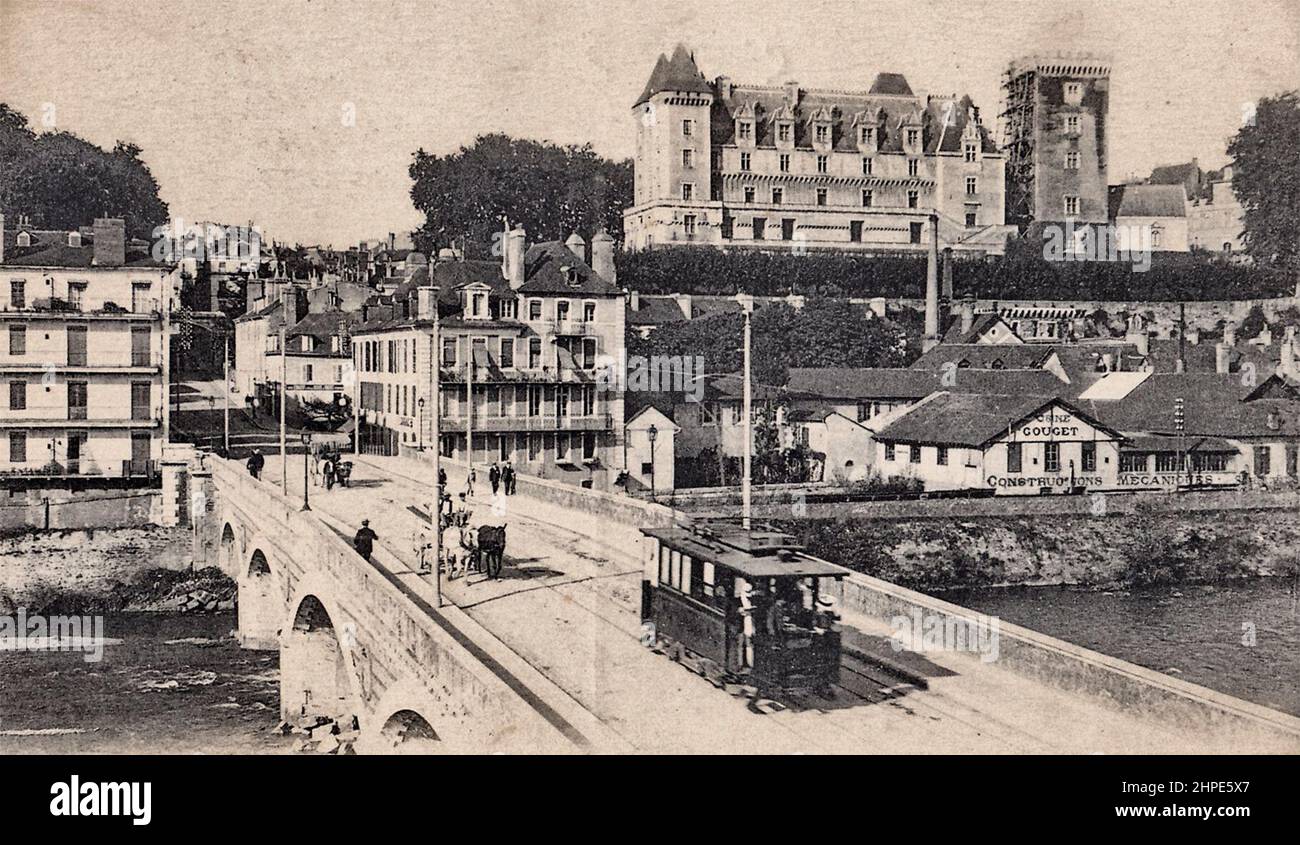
{"type": "Point", "coordinates": [549, 422]}
{"type": "Point", "coordinates": [141, 308]}
{"type": "Point", "coordinates": [572, 328]}
{"type": "Point", "coordinates": [522, 375]}
{"type": "Point", "coordinates": [131, 363]}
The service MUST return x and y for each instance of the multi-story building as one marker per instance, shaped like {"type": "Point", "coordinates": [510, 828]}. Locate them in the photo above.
{"type": "Point", "coordinates": [789, 168]}
{"type": "Point", "coordinates": [85, 318]}
{"type": "Point", "coordinates": [1215, 219]}
{"type": "Point", "coordinates": [1054, 136]}
{"type": "Point", "coordinates": [519, 347]}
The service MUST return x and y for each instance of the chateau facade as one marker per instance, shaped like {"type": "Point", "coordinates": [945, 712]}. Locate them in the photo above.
{"type": "Point", "coordinates": [790, 169]}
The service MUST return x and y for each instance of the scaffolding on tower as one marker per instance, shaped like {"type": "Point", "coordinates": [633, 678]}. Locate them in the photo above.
{"type": "Point", "coordinates": [1020, 89]}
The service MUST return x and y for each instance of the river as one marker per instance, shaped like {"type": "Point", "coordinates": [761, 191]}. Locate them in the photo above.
{"type": "Point", "coordinates": [1242, 639]}
{"type": "Point", "coordinates": [176, 683]}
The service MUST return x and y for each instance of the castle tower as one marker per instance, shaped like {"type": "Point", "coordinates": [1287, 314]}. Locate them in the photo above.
{"type": "Point", "coordinates": [1054, 138]}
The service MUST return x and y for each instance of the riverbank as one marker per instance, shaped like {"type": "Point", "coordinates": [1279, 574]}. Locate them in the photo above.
{"type": "Point", "coordinates": [1103, 551]}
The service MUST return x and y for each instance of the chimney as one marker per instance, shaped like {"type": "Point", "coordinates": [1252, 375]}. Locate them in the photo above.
{"type": "Point", "coordinates": [110, 242]}
{"type": "Point", "coordinates": [878, 305]}
{"type": "Point", "coordinates": [1108, 362]}
{"type": "Point", "coordinates": [1142, 340]}
{"type": "Point", "coordinates": [392, 241]}
{"type": "Point", "coordinates": [932, 289]}
{"type": "Point", "coordinates": [602, 256]}
{"type": "Point", "coordinates": [723, 84]}
{"type": "Point", "coordinates": [425, 302]}
{"type": "Point", "coordinates": [684, 303]}
{"type": "Point", "coordinates": [577, 246]}
{"type": "Point", "coordinates": [792, 93]}
{"type": "Point", "coordinates": [515, 250]}
{"type": "Point", "coordinates": [967, 315]}
{"type": "Point", "coordinates": [1230, 335]}
{"type": "Point", "coordinates": [634, 299]}
{"type": "Point", "coordinates": [1221, 358]}
{"type": "Point", "coordinates": [289, 297]}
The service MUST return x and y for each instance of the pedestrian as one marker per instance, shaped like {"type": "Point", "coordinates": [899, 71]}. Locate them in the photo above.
{"type": "Point", "coordinates": [364, 542]}
{"type": "Point", "coordinates": [494, 478]}
{"type": "Point", "coordinates": [469, 482]}
{"type": "Point", "coordinates": [327, 470]}
{"type": "Point", "coordinates": [508, 477]}
{"type": "Point", "coordinates": [255, 464]}
{"type": "Point", "coordinates": [423, 546]}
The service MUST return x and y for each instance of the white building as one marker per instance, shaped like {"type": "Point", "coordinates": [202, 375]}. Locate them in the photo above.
{"type": "Point", "coordinates": [85, 317]}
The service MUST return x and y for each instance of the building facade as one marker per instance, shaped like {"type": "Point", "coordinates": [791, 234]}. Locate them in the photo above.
{"type": "Point", "coordinates": [86, 320]}
{"type": "Point", "coordinates": [787, 168]}
{"type": "Point", "coordinates": [1055, 134]}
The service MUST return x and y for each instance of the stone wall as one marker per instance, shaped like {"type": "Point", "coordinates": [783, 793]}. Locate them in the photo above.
{"type": "Point", "coordinates": [58, 508]}
{"type": "Point", "coordinates": [87, 561]}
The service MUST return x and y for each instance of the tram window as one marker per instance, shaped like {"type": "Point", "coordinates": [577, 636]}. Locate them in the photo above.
{"type": "Point", "coordinates": [675, 581]}
{"type": "Point", "coordinates": [664, 571]}
{"type": "Point", "coordinates": [698, 587]}
{"type": "Point", "coordinates": [707, 575]}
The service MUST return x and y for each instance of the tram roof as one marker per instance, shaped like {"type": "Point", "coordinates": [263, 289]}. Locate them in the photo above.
{"type": "Point", "coordinates": [772, 565]}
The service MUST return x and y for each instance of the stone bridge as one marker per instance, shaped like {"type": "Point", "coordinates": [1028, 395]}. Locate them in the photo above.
{"type": "Point", "coordinates": [357, 641]}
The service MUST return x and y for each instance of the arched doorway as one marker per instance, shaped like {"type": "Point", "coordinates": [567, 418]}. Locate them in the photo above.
{"type": "Point", "coordinates": [407, 732]}
{"type": "Point", "coordinates": [313, 672]}
{"type": "Point", "coordinates": [260, 609]}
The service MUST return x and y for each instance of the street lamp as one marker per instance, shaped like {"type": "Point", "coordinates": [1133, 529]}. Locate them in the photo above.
{"type": "Point", "coordinates": [652, 432]}
{"type": "Point", "coordinates": [420, 404]}
{"type": "Point", "coordinates": [306, 456]}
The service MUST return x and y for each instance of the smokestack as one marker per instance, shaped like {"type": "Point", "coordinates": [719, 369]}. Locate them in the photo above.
{"type": "Point", "coordinates": [515, 249]}
{"type": "Point", "coordinates": [947, 274]}
{"type": "Point", "coordinates": [1181, 366]}
{"type": "Point", "coordinates": [967, 316]}
{"type": "Point", "coordinates": [110, 242]}
{"type": "Point", "coordinates": [1221, 358]}
{"type": "Point", "coordinates": [602, 256]}
{"type": "Point", "coordinates": [932, 288]}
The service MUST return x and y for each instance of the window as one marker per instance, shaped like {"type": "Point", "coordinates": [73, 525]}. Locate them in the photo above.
{"type": "Point", "coordinates": [1132, 462]}
{"type": "Point", "coordinates": [1072, 160]}
{"type": "Point", "coordinates": [745, 130]}
{"type": "Point", "coordinates": [589, 353]}
{"type": "Point", "coordinates": [688, 225]}
{"type": "Point", "coordinates": [1073, 91]}
{"type": "Point", "coordinates": [914, 232]}
{"type": "Point", "coordinates": [972, 187]}
{"type": "Point", "coordinates": [1072, 124]}
{"type": "Point", "coordinates": [889, 452]}
{"type": "Point", "coordinates": [688, 191]}
{"type": "Point", "coordinates": [913, 454]}
{"type": "Point", "coordinates": [17, 340]}
{"type": "Point", "coordinates": [449, 351]}
{"type": "Point", "coordinates": [823, 133]}
{"type": "Point", "coordinates": [534, 400]}
{"type": "Point", "coordinates": [1013, 458]}
{"type": "Point", "coordinates": [821, 196]}
{"type": "Point", "coordinates": [971, 151]}
{"type": "Point", "coordinates": [76, 400]}
{"type": "Point", "coordinates": [688, 158]}
{"type": "Point", "coordinates": [866, 198]}
{"type": "Point", "coordinates": [478, 305]}
{"type": "Point", "coordinates": [784, 162]}
{"type": "Point", "coordinates": [17, 395]}
{"type": "Point", "coordinates": [823, 163]}
{"type": "Point", "coordinates": [970, 218]}
{"type": "Point", "coordinates": [688, 127]}
{"type": "Point", "coordinates": [1211, 461]}
{"type": "Point", "coordinates": [588, 312]}
{"type": "Point", "coordinates": [562, 401]}
{"type": "Point", "coordinates": [749, 193]}
{"type": "Point", "coordinates": [783, 131]}
{"type": "Point", "coordinates": [787, 229]}
{"type": "Point", "coordinates": [1089, 458]}
{"type": "Point", "coordinates": [1052, 457]}
{"type": "Point", "coordinates": [1071, 205]}
{"type": "Point", "coordinates": [534, 353]}
{"type": "Point", "coordinates": [562, 307]}
{"type": "Point", "coordinates": [868, 136]}
{"type": "Point", "coordinates": [778, 194]}
{"type": "Point", "coordinates": [913, 167]}
{"type": "Point", "coordinates": [866, 166]}
{"type": "Point", "coordinates": [941, 456]}
{"type": "Point", "coordinates": [534, 309]}
{"type": "Point", "coordinates": [1263, 460]}
{"type": "Point", "coordinates": [913, 137]}
{"type": "Point", "coordinates": [744, 162]}
{"type": "Point", "coordinates": [17, 447]}
{"type": "Point", "coordinates": [1166, 462]}
{"type": "Point", "coordinates": [140, 400]}
{"type": "Point", "coordinates": [76, 346]}
{"type": "Point", "coordinates": [855, 231]}
{"type": "Point", "coordinates": [17, 293]}
{"type": "Point", "coordinates": [913, 197]}
{"type": "Point", "coordinates": [1291, 459]}
{"type": "Point", "coordinates": [76, 295]}
{"type": "Point", "coordinates": [307, 373]}
{"type": "Point", "coordinates": [760, 228]}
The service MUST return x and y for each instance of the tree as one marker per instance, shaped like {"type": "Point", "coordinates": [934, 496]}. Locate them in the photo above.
{"type": "Point", "coordinates": [550, 190]}
{"type": "Point", "coordinates": [1266, 179]}
{"type": "Point", "coordinates": [62, 182]}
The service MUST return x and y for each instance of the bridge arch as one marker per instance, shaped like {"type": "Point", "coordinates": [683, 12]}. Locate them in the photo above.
{"type": "Point", "coordinates": [229, 555]}
{"type": "Point", "coordinates": [261, 608]}
{"type": "Point", "coordinates": [316, 678]}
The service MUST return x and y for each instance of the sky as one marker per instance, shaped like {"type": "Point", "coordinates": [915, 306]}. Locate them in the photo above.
{"type": "Point", "coordinates": [302, 117]}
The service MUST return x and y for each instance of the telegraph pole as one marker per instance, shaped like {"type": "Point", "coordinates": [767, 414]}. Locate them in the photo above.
{"type": "Point", "coordinates": [226, 390]}
{"type": "Point", "coordinates": [284, 448]}
{"type": "Point", "coordinates": [435, 411]}
{"type": "Point", "coordinates": [747, 305]}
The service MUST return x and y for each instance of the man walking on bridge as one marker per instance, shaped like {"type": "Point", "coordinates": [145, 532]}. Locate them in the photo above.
{"type": "Point", "coordinates": [255, 464]}
{"type": "Point", "coordinates": [364, 542]}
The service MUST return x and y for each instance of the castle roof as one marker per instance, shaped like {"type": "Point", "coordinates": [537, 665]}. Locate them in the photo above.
{"type": "Point", "coordinates": [679, 73]}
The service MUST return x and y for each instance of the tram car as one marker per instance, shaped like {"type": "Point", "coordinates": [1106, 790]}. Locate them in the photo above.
{"type": "Point", "coordinates": [748, 603]}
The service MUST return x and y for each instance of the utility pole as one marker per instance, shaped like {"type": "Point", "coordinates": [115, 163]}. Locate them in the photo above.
{"type": "Point", "coordinates": [284, 447]}
{"type": "Point", "coordinates": [225, 387]}
{"type": "Point", "coordinates": [747, 305]}
{"type": "Point", "coordinates": [435, 411]}
{"type": "Point", "coordinates": [469, 413]}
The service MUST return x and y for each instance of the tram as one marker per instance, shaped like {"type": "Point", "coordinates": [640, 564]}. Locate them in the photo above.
{"type": "Point", "coordinates": [749, 604]}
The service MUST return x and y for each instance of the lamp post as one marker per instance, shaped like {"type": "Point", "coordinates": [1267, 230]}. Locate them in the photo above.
{"type": "Point", "coordinates": [306, 456]}
{"type": "Point", "coordinates": [747, 305]}
{"type": "Point", "coordinates": [420, 405]}
{"type": "Point", "coordinates": [652, 432]}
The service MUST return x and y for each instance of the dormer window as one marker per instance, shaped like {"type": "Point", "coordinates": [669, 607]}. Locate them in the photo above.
{"type": "Point", "coordinates": [867, 137]}
{"type": "Point", "coordinates": [1072, 124]}
{"type": "Point", "coordinates": [913, 137]}
{"type": "Point", "coordinates": [1073, 92]}
{"type": "Point", "coordinates": [24, 239]}
{"type": "Point", "coordinates": [783, 132]}
{"type": "Point", "coordinates": [744, 130]}
{"type": "Point", "coordinates": [74, 239]}
{"type": "Point", "coordinates": [478, 305]}
{"type": "Point", "coordinates": [822, 133]}
{"type": "Point", "coordinates": [972, 151]}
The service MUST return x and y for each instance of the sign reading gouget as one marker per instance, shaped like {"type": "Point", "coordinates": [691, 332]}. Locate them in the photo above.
{"type": "Point", "coordinates": [1055, 424]}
